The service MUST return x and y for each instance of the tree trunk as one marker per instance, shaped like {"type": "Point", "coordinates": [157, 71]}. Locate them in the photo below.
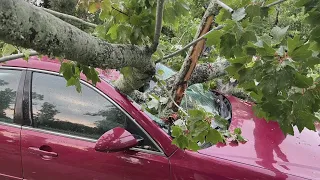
{"type": "Point", "coordinates": [25, 25]}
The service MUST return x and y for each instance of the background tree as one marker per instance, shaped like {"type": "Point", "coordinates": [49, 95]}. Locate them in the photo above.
{"type": "Point", "coordinates": [47, 113]}
{"type": "Point", "coordinates": [7, 97]}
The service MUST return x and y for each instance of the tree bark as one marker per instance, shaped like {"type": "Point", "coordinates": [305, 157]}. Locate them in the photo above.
{"type": "Point", "coordinates": [208, 71]}
{"type": "Point", "coordinates": [25, 25]}
{"type": "Point", "coordinates": [202, 73]}
{"type": "Point", "coordinates": [191, 59]}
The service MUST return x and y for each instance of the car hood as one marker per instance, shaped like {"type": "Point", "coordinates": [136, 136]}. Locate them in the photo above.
{"type": "Point", "coordinates": [267, 147]}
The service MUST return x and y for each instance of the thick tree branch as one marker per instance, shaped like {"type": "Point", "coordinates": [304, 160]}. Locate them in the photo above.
{"type": "Point", "coordinates": [274, 3]}
{"type": "Point", "coordinates": [191, 59]}
{"type": "Point", "coordinates": [158, 26]}
{"type": "Point", "coordinates": [16, 56]}
{"type": "Point", "coordinates": [202, 73]}
{"type": "Point", "coordinates": [188, 45]}
{"type": "Point", "coordinates": [209, 71]}
{"type": "Point", "coordinates": [69, 17]}
{"type": "Point", "coordinates": [30, 27]}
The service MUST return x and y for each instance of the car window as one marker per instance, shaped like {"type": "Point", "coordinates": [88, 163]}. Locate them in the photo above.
{"type": "Point", "coordinates": [9, 82]}
{"type": "Point", "coordinates": [58, 108]}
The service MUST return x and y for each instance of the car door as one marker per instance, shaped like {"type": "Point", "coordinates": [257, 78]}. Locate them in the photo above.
{"type": "Point", "coordinates": [59, 136]}
{"type": "Point", "coordinates": [10, 156]}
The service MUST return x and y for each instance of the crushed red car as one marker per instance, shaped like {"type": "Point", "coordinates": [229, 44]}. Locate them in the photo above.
{"type": "Point", "coordinates": [49, 131]}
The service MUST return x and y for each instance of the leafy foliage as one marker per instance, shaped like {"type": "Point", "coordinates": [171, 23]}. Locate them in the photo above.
{"type": "Point", "coordinates": [197, 131]}
{"type": "Point", "coordinates": [71, 72]}
{"type": "Point", "coordinates": [273, 66]}
{"type": "Point", "coordinates": [130, 21]}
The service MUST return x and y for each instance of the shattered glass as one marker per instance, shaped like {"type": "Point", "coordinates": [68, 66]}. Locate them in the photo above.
{"type": "Point", "coordinates": [197, 96]}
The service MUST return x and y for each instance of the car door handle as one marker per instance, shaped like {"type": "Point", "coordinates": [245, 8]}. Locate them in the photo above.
{"type": "Point", "coordinates": [42, 152]}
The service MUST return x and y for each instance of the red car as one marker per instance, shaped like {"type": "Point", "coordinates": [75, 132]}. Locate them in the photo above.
{"type": "Point", "coordinates": [49, 131]}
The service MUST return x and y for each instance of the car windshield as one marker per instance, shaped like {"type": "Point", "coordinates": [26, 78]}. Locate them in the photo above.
{"type": "Point", "coordinates": [196, 96]}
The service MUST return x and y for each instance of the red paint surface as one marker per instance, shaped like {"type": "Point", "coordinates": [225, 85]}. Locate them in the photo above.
{"type": "Point", "coordinates": [10, 157]}
{"type": "Point", "coordinates": [116, 139]}
{"type": "Point", "coordinates": [268, 154]}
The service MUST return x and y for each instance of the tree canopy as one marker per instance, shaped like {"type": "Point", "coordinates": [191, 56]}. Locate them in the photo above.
{"type": "Point", "coordinates": [268, 49]}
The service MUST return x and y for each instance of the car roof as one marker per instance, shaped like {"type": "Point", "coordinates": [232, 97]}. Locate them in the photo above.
{"type": "Point", "coordinates": [50, 64]}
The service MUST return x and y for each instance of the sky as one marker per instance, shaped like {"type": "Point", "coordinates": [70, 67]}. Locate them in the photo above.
{"type": "Point", "coordinates": [72, 105]}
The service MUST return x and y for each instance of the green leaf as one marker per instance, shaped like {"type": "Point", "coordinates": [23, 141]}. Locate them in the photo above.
{"type": "Point", "coordinates": [240, 138]}
{"type": "Point", "coordinates": [221, 122]}
{"type": "Point", "coordinates": [302, 81]}
{"type": "Point", "coordinates": [197, 127]}
{"type": "Point", "coordinates": [78, 86]}
{"type": "Point", "coordinates": [250, 51]}
{"type": "Point", "coordinates": [262, 48]}
{"type": "Point", "coordinates": [26, 53]}
{"type": "Point", "coordinates": [237, 131]}
{"type": "Point", "coordinates": [196, 115]}
{"type": "Point", "coordinates": [181, 8]}
{"type": "Point", "coordinates": [222, 16]}
{"type": "Point", "coordinates": [93, 7]}
{"type": "Point", "coordinates": [201, 136]}
{"type": "Point", "coordinates": [305, 119]}
{"type": "Point", "coordinates": [100, 31]}
{"type": "Point", "coordinates": [94, 76]}
{"type": "Point", "coordinates": [302, 101]}
{"type": "Point", "coordinates": [169, 15]}
{"type": "Point", "coordinates": [246, 37]}
{"type": "Point", "coordinates": [8, 49]}
{"type": "Point", "coordinates": [300, 3]}
{"type": "Point", "coordinates": [176, 131]}
{"type": "Point", "coordinates": [66, 70]}
{"type": "Point", "coordinates": [104, 15]}
{"type": "Point", "coordinates": [86, 71]}
{"type": "Point", "coordinates": [313, 18]}
{"type": "Point", "coordinates": [287, 128]}
{"type": "Point", "coordinates": [239, 14]}
{"type": "Point", "coordinates": [279, 33]}
{"type": "Point", "coordinates": [234, 69]}
{"type": "Point", "coordinates": [106, 5]}
{"type": "Point", "coordinates": [253, 11]}
{"type": "Point", "coordinates": [285, 78]}
{"type": "Point", "coordinates": [193, 146]}
{"type": "Point", "coordinates": [113, 32]}
{"type": "Point", "coordinates": [302, 53]}
{"type": "Point", "coordinates": [312, 61]}
{"type": "Point", "coordinates": [227, 42]}
{"type": "Point", "coordinates": [72, 81]}
{"type": "Point", "coordinates": [269, 85]}
{"type": "Point", "coordinates": [181, 141]}
{"type": "Point", "coordinates": [293, 43]}
{"type": "Point", "coordinates": [214, 136]}
{"type": "Point", "coordinates": [258, 111]}
{"type": "Point", "coordinates": [135, 19]}
{"type": "Point", "coordinates": [315, 33]}
{"type": "Point", "coordinates": [240, 60]}
{"type": "Point", "coordinates": [213, 38]}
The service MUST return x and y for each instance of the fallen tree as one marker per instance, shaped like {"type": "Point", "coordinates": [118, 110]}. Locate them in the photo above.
{"type": "Point", "coordinates": [267, 62]}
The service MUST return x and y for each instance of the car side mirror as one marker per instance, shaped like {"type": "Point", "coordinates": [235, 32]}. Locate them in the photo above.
{"type": "Point", "coordinates": [114, 140]}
